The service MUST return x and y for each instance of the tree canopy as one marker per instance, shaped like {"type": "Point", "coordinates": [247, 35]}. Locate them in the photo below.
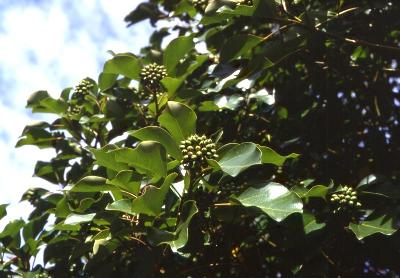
{"type": "Point", "coordinates": [261, 141]}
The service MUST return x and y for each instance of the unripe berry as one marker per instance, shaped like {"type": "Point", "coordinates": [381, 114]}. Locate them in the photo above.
{"type": "Point", "coordinates": [197, 154]}
{"type": "Point", "coordinates": [345, 201]}
{"type": "Point", "coordinates": [152, 74]}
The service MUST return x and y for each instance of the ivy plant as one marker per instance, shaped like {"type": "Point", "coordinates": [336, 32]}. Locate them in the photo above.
{"type": "Point", "coordinates": [252, 145]}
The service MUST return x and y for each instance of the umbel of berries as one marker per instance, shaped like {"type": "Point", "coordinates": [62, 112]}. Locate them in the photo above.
{"type": "Point", "coordinates": [196, 150]}
{"type": "Point", "coordinates": [200, 5]}
{"type": "Point", "coordinates": [83, 88]}
{"type": "Point", "coordinates": [152, 74]}
{"type": "Point", "coordinates": [345, 200]}
{"type": "Point", "coordinates": [74, 110]}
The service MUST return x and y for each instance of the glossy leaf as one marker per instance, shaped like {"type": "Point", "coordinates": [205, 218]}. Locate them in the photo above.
{"type": "Point", "coordinates": [74, 219]}
{"type": "Point", "coordinates": [383, 224]}
{"type": "Point", "coordinates": [272, 198]}
{"type": "Point", "coordinates": [239, 158]}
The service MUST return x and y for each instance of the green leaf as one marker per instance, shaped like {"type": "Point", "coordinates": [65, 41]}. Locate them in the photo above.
{"type": "Point", "coordinates": [239, 158]}
{"type": "Point", "coordinates": [149, 157]}
{"type": "Point", "coordinates": [91, 184]}
{"type": "Point", "coordinates": [272, 198]}
{"type": "Point", "coordinates": [105, 157]}
{"type": "Point", "coordinates": [310, 223]}
{"type": "Point", "coordinates": [154, 133]}
{"type": "Point", "coordinates": [175, 51]}
{"type": "Point", "coordinates": [74, 219]}
{"type": "Point", "coordinates": [179, 238]}
{"type": "Point", "coordinates": [12, 228]}
{"type": "Point", "coordinates": [42, 102]}
{"type": "Point", "coordinates": [106, 80]}
{"type": "Point", "coordinates": [152, 200]}
{"type": "Point", "coordinates": [150, 203]}
{"type": "Point", "coordinates": [124, 205]}
{"type": "Point", "coordinates": [172, 85]}
{"type": "Point", "coordinates": [269, 156]}
{"type": "Point", "coordinates": [127, 180]}
{"type": "Point", "coordinates": [316, 191]}
{"type": "Point", "coordinates": [383, 224]}
{"type": "Point", "coordinates": [179, 120]}
{"type": "Point", "coordinates": [37, 135]}
{"type": "Point", "coordinates": [238, 46]}
{"type": "Point", "coordinates": [3, 210]}
{"type": "Point", "coordinates": [125, 64]}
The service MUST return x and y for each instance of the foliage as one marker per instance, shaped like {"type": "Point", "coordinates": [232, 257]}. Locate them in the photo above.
{"type": "Point", "coordinates": [290, 114]}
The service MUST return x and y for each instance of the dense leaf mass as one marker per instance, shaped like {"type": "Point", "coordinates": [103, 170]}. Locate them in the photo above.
{"type": "Point", "coordinates": [298, 98]}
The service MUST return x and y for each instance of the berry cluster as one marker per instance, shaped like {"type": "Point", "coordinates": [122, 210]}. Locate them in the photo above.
{"type": "Point", "coordinates": [84, 87]}
{"type": "Point", "coordinates": [196, 150]}
{"type": "Point", "coordinates": [74, 110]}
{"type": "Point", "coordinates": [81, 90]}
{"type": "Point", "coordinates": [152, 74]}
{"type": "Point", "coordinates": [231, 187]}
{"type": "Point", "coordinates": [200, 5]}
{"type": "Point", "coordinates": [345, 200]}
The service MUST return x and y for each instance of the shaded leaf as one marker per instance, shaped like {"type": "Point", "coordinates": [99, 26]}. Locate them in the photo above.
{"type": "Point", "coordinates": [311, 224]}
{"type": "Point", "coordinates": [179, 120]}
{"type": "Point", "coordinates": [175, 51]}
{"type": "Point", "coordinates": [179, 238]}
{"type": "Point", "coordinates": [237, 46]}
{"type": "Point", "coordinates": [149, 157]}
{"type": "Point", "coordinates": [154, 133]}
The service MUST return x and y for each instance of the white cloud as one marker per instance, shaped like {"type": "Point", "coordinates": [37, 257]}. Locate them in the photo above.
{"type": "Point", "coordinates": [51, 45]}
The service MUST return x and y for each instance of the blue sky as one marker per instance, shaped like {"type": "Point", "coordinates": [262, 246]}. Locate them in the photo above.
{"type": "Point", "coordinates": [50, 45]}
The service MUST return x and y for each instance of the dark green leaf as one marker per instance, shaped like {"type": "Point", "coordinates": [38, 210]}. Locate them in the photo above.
{"type": "Point", "coordinates": [238, 46]}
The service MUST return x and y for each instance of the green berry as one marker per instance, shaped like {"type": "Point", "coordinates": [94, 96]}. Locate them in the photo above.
{"type": "Point", "coordinates": [152, 74]}
{"type": "Point", "coordinates": [197, 155]}
{"type": "Point", "coordinates": [345, 201]}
